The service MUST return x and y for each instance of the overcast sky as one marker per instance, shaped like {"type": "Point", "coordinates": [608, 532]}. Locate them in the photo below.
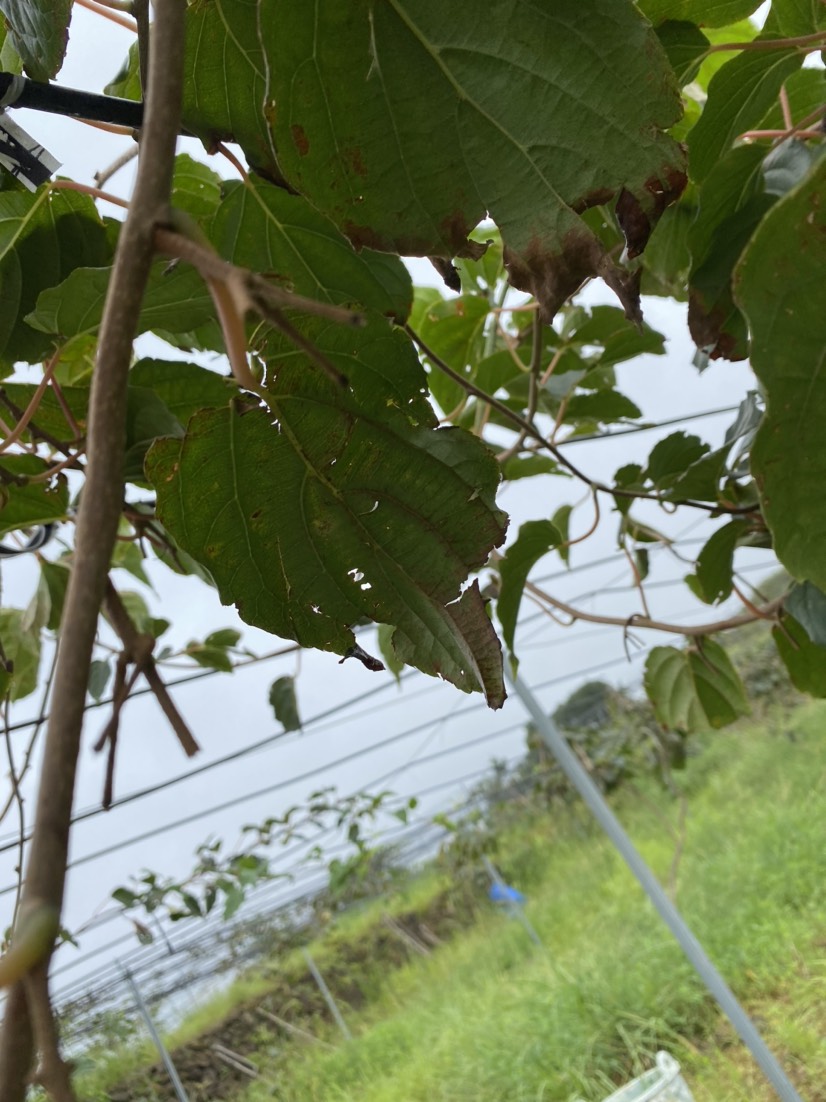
{"type": "Point", "coordinates": [230, 712]}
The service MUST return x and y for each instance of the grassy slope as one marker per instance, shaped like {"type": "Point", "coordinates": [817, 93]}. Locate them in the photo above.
{"type": "Point", "coordinates": [488, 1017]}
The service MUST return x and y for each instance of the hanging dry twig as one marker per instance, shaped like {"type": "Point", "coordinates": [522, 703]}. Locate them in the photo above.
{"type": "Point", "coordinates": [138, 649]}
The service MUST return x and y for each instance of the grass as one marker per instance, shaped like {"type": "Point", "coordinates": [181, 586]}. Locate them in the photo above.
{"type": "Point", "coordinates": [489, 1017]}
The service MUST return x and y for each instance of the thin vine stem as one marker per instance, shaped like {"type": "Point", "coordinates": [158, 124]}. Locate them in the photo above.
{"type": "Point", "coordinates": [799, 42]}
{"type": "Point", "coordinates": [533, 388]}
{"type": "Point", "coordinates": [768, 612]}
{"type": "Point", "coordinates": [120, 162]}
{"type": "Point", "coordinates": [16, 798]}
{"type": "Point", "coordinates": [107, 11]}
{"type": "Point", "coordinates": [14, 435]}
{"type": "Point", "coordinates": [88, 189]}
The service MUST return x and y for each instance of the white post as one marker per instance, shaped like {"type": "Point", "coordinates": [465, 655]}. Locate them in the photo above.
{"type": "Point", "coordinates": [328, 997]}
{"type": "Point", "coordinates": [156, 1037]}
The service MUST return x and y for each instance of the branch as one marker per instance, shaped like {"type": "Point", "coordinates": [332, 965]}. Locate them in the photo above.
{"type": "Point", "coordinates": [768, 612]}
{"type": "Point", "coordinates": [212, 266]}
{"type": "Point", "coordinates": [530, 430]}
{"type": "Point", "coordinates": [236, 291]}
{"type": "Point", "coordinates": [102, 496]}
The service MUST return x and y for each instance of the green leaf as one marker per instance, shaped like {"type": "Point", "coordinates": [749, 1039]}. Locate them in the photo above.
{"type": "Point", "coordinates": [147, 418]}
{"type": "Point", "coordinates": [285, 703]}
{"type": "Point", "coordinates": [498, 371]}
{"type": "Point", "coordinates": [39, 32]}
{"type": "Point", "coordinates": [225, 637]}
{"type": "Point", "coordinates": [342, 503]}
{"type": "Point", "coordinates": [388, 652]}
{"type": "Point", "coordinates": [602, 407]}
{"type": "Point", "coordinates": [671, 457]}
{"type": "Point", "coordinates": [794, 17]}
{"type": "Point", "coordinates": [454, 330]}
{"type": "Point", "coordinates": [774, 286]}
{"type": "Point", "coordinates": [176, 301]}
{"type": "Point", "coordinates": [233, 898]}
{"type": "Point", "coordinates": [485, 273]}
{"type": "Point", "coordinates": [127, 83]}
{"type": "Point", "coordinates": [804, 659]}
{"type": "Point", "coordinates": [10, 59]}
{"type": "Point", "coordinates": [739, 95]}
{"type": "Point", "coordinates": [128, 556]}
{"type": "Point", "coordinates": [685, 46]}
{"type": "Point", "coordinates": [695, 688]}
{"type": "Point", "coordinates": [805, 94]}
{"type": "Point", "coordinates": [707, 13]}
{"type": "Point", "coordinates": [125, 897]}
{"type": "Point", "coordinates": [99, 673]}
{"type": "Point", "coordinates": [667, 259]}
{"type": "Point", "coordinates": [807, 604]}
{"type": "Point", "coordinates": [50, 417]}
{"type": "Point", "coordinates": [642, 561]}
{"type": "Point", "coordinates": [223, 52]}
{"type": "Point", "coordinates": [700, 480]}
{"type": "Point", "coordinates": [21, 647]}
{"type": "Point", "coordinates": [183, 388]}
{"type": "Point", "coordinates": [54, 581]}
{"type": "Point", "coordinates": [37, 610]}
{"type": "Point", "coordinates": [787, 165]}
{"type": "Point", "coordinates": [33, 503]}
{"type": "Point", "coordinates": [716, 561]}
{"type": "Point", "coordinates": [561, 521]}
{"type": "Point", "coordinates": [526, 466]}
{"type": "Point", "coordinates": [139, 612]}
{"type": "Point", "coordinates": [395, 120]}
{"type": "Point", "coordinates": [620, 339]}
{"type": "Point", "coordinates": [196, 189]}
{"type": "Point", "coordinates": [263, 227]}
{"type": "Point", "coordinates": [731, 204]}
{"type": "Point", "coordinates": [193, 907]}
{"type": "Point", "coordinates": [212, 657]}
{"type": "Point", "coordinates": [43, 237]}
{"type": "Point", "coordinates": [536, 538]}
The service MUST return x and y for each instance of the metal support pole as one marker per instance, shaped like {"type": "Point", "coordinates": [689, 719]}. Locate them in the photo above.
{"type": "Point", "coordinates": [328, 997]}
{"type": "Point", "coordinates": [156, 1037]}
{"type": "Point", "coordinates": [689, 944]}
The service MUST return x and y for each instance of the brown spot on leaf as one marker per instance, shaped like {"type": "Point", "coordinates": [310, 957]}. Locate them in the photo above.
{"type": "Point", "coordinates": [552, 277]}
{"type": "Point", "coordinates": [454, 229]}
{"type": "Point", "coordinates": [708, 330]}
{"type": "Point", "coordinates": [300, 139]}
{"type": "Point", "coordinates": [353, 158]}
{"type": "Point", "coordinates": [365, 237]}
{"type": "Point", "coordinates": [638, 215]}
{"type": "Point", "coordinates": [593, 199]}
